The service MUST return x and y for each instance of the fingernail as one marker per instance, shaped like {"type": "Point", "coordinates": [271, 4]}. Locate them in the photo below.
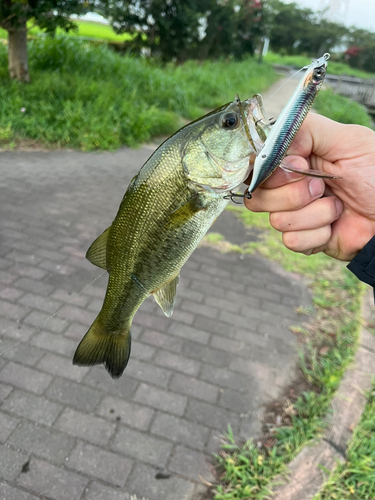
{"type": "Point", "coordinates": [339, 207]}
{"type": "Point", "coordinates": [316, 187]}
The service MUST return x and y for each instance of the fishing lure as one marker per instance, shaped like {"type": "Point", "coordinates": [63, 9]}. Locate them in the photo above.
{"type": "Point", "coordinates": [272, 146]}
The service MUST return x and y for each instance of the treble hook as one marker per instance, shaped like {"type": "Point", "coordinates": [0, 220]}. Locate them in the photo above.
{"type": "Point", "coordinates": [232, 195]}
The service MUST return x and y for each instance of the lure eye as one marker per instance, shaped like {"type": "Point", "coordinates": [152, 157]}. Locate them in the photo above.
{"type": "Point", "coordinates": [230, 121]}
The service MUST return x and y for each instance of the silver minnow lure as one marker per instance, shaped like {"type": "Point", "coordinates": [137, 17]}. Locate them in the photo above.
{"type": "Point", "coordinates": [289, 122]}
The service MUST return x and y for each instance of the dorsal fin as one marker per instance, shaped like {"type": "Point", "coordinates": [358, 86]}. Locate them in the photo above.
{"type": "Point", "coordinates": [166, 296]}
{"type": "Point", "coordinates": [97, 253]}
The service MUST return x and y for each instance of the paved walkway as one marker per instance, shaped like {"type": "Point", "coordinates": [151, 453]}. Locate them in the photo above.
{"type": "Point", "coordinates": [73, 433]}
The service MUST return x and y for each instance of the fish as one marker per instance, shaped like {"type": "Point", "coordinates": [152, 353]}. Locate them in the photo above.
{"type": "Point", "coordinates": [272, 144]}
{"type": "Point", "coordinates": [167, 209]}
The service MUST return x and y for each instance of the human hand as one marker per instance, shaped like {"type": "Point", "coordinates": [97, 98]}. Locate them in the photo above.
{"type": "Point", "coordinates": [334, 216]}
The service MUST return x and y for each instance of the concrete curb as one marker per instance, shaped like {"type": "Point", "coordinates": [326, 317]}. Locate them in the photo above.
{"type": "Point", "coordinates": [307, 469]}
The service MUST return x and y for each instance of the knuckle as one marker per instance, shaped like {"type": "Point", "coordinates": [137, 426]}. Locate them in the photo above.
{"type": "Point", "coordinates": [277, 220]}
{"type": "Point", "coordinates": [291, 240]}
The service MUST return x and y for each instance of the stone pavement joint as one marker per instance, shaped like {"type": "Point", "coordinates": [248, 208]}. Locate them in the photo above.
{"type": "Point", "coordinates": [227, 350]}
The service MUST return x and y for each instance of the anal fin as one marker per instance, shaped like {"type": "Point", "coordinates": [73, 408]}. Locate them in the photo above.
{"type": "Point", "coordinates": [166, 296]}
{"type": "Point", "coordinates": [97, 253]}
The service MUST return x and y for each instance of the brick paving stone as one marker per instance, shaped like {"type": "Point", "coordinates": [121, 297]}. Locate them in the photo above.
{"type": "Point", "coordinates": [28, 271]}
{"type": "Point", "coordinates": [189, 463]}
{"type": "Point", "coordinates": [8, 492]}
{"type": "Point", "coordinates": [205, 354]}
{"type": "Point", "coordinates": [46, 321]}
{"type": "Point", "coordinates": [7, 426]}
{"type": "Point", "coordinates": [204, 310]}
{"type": "Point", "coordinates": [150, 320]}
{"type": "Point", "coordinates": [78, 314]}
{"type": "Point", "coordinates": [22, 353]}
{"type": "Point", "coordinates": [225, 378]}
{"type": "Point", "coordinates": [194, 387]}
{"type": "Point", "coordinates": [141, 446]}
{"type": "Point", "coordinates": [12, 311]}
{"type": "Point", "coordinates": [212, 326]}
{"type": "Point", "coordinates": [15, 330]}
{"type": "Point", "coordinates": [52, 482]}
{"type": "Point", "coordinates": [147, 373]}
{"type": "Point", "coordinates": [11, 294]}
{"type": "Point", "coordinates": [78, 300]}
{"type": "Point", "coordinates": [159, 339]}
{"type": "Point", "coordinates": [75, 331]}
{"type": "Point", "coordinates": [97, 491]}
{"type": "Point", "coordinates": [11, 463]}
{"type": "Point", "coordinates": [100, 464]}
{"type": "Point", "coordinates": [5, 390]}
{"type": "Point", "coordinates": [100, 380]}
{"type": "Point", "coordinates": [70, 393]}
{"type": "Point", "coordinates": [185, 331]}
{"type": "Point", "coordinates": [237, 401]}
{"type": "Point", "coordinates": [176, 362]}
{"type": "Point", "coordinates": [43, 442]}
{"type": "Point", "coordinates": [6, 278]}
{"type": "Point", "coordinates": [55, 343]}
{"type": "Point", "coordinates": [230, 345]}
{"type": "Point", "coordinates": [33, 407]}
{"type": "Point", "coordinates": [207, 414]}
{"type": "Point", "coordinates": [25, 378]}
{"type": "Point", "coordinates": [62, 367]}
{"type": "Point", "coordinates": [88, 427]}
{"type": "Point", "coordinates": [160, 399]}
{"type": "Point", "coordinates": [143, 483]}
{"type": "Point", "coordinates": [141, 351]}
{"type": "Point", "coordinates": [180, 430]}
{"type": "Point", "coordinates": [126, 412]}
{"type": "Point", "coordinates": [34, 286]}
{"type": "Point", "coordinates": [39, 302]}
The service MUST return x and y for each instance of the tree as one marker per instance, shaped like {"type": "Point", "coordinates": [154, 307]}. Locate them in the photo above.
{"type": "Point", "coordinates": [296, 30]}
{"type": "Point", "coordinates": [169, 28]}
{"type": "Point", "coordinates": [47, 14]}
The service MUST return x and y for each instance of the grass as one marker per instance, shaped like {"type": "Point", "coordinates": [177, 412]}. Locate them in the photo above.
{"type": "Point", "coordinates": [329, 343]}
{"type": "Point", "coordinates": [86, 29]}
{"type": "Point", "coordinates": [341, 109]}
{"type": "Point", "coordinates": [355, 479]}
{"type": "Point", "coordinates": [334, 68]}
{"type": "Point", "coordinates": [89, 97]}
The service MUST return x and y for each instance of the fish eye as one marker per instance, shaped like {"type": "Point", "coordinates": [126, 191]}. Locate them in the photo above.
{"type": "Point", "coordinates": [230, 121]}
{"type": "Point", "coordinates": [319, 72]}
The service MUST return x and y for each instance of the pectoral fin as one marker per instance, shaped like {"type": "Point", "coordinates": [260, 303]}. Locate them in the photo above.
{"type": "Point", "coordinates": [97, 253]}
{"type": "Point", "coordinates": [166, 296]}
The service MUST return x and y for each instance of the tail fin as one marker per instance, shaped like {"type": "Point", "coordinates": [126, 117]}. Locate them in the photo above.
{"type": "Point", "coordinates": [99, 346]}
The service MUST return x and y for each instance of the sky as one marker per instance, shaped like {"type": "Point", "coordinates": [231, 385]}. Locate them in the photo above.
{"type": "Point", "coordinates": [358, 13]}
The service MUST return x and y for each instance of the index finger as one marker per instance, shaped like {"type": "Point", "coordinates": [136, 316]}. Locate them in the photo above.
{"type": "Point", "coordinates": [281, 177]}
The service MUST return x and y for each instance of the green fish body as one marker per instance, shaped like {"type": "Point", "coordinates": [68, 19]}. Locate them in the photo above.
{"type": "Point", "coordinates": [167, 209]}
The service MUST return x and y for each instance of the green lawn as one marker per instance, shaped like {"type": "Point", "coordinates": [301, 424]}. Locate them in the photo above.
{"type": "Point", "coordinates": [87, 29]}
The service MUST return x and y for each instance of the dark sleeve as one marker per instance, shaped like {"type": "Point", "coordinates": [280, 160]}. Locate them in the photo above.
{"type": "Point", "coordinates": [363, 264]}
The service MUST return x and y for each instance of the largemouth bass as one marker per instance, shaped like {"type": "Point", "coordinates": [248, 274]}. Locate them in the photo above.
{"type": "Point", "coordinates": [167, 209]}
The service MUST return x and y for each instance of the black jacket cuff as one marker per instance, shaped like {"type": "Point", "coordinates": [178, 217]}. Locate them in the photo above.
{"type": "Point", "coordinates": [363, 264]}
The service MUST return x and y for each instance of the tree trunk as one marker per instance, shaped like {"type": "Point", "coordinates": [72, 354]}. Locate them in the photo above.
{"type": "Point", "coordinates": [17, 57]}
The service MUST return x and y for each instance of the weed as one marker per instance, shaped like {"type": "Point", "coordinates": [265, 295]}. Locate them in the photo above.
{"type": "Point", "coordinates": [87, 96]}
{"type": "Point", "coordinates": [329, 342]}
{"type": "Point", "coordinates": [341, 109]}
